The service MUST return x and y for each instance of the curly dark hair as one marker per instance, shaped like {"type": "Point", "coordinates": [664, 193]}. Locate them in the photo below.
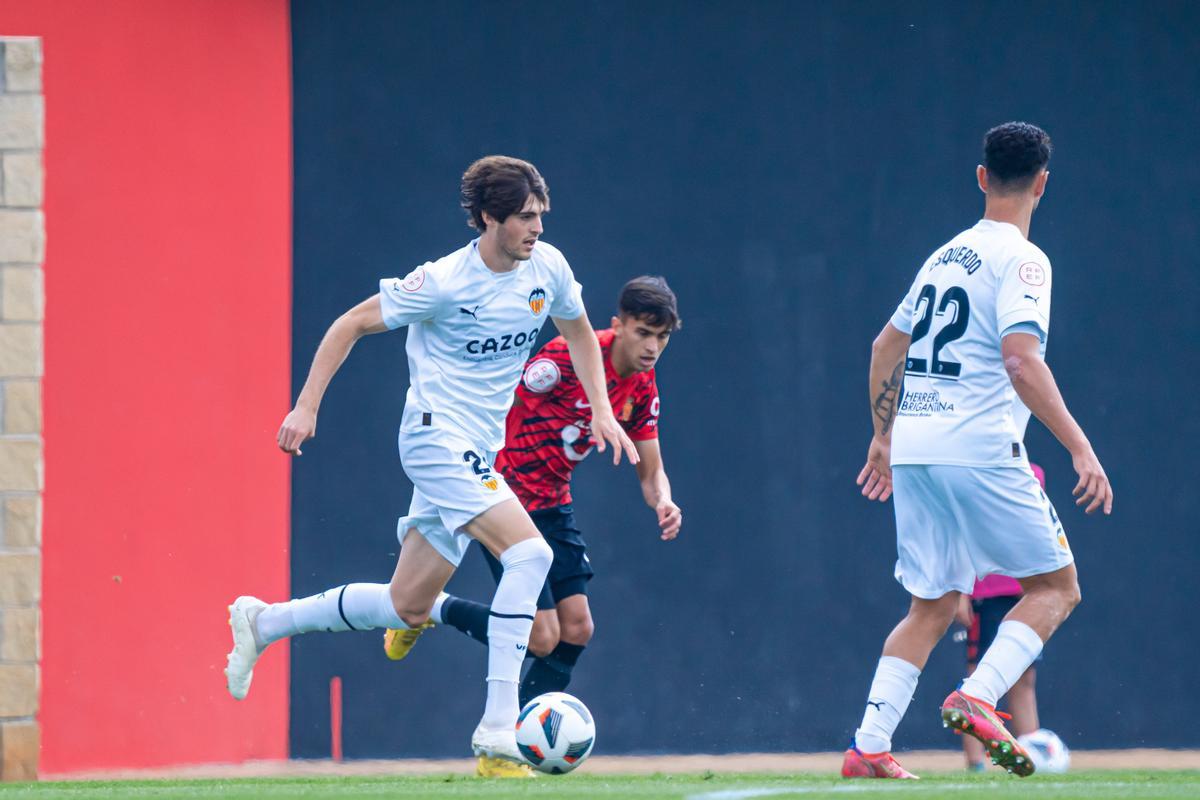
{"type": "Point", "coordinates": [500, 185]}
{"type": "Point", "coordinates": [650, 299]}
{"type": "Point", "coordinates": [1014, 154]}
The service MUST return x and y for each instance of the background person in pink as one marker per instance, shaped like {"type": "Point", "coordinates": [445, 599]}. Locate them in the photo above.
{"type": "Point", "coordinates": [981, 614]}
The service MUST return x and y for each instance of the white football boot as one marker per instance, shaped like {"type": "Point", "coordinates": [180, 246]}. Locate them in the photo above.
{"type": "Point", "coordinates": [245, 653]}
{"type": "Point", "coordinates": [501, 743]}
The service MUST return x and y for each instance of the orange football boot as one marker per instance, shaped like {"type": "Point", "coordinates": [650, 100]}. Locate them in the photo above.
{"type": "Point", "coordinates": [976, 718]}
{"type": "Point", "coordinates": [857, 764]}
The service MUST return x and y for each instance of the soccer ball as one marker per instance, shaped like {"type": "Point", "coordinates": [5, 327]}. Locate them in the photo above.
{"type": "Point", "coordinates": [1048, 752]}
{"type": "Point", "coordinates": [555, 732]}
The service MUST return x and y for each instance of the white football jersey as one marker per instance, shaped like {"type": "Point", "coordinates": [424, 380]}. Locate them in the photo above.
{"type": "Point", "coordinates": [471, 331]}
{"type": "Point", "coordinates": [958, 405]}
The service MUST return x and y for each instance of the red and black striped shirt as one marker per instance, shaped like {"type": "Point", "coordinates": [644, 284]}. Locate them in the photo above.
{"type": "Point", "coordinates": [548, 430]}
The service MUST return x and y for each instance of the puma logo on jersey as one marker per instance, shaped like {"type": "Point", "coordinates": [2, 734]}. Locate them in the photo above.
{"type": "Point", "coordinates": [877, 703]}
{"type": "Point", "coordinates": [469, 313]}
{"type": "Point", "coordinates": [1031, 297]}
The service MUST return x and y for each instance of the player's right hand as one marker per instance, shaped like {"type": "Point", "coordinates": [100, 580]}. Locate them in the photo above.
{"type": "Point", "coordinates": [298, 426]}
{"type": "Point", "coordinates": [605, 428]}
{"type": "Point", "coordinates": [1093, 489]}
{"type": "Point", "coordinates": [876, 476]}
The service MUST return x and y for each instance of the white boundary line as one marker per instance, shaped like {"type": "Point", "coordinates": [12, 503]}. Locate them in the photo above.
{"type": "Point", "coordinates": [902, 787]}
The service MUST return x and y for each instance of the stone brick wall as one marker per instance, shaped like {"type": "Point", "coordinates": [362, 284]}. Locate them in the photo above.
{"type": "Point", "coordinates": [22, 248]}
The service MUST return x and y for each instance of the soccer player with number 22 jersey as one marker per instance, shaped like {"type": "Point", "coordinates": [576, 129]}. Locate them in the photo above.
{"type": "Point", "coordinates": [967, 344]}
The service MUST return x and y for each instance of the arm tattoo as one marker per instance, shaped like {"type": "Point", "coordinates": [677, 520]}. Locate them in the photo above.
{"type": "Point", "coordinates": [885, 402]}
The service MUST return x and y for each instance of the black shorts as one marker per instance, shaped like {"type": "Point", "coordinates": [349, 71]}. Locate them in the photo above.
{"type": "Point", "coordinates": [988, 614]}
{"type": "Point", "coordinates": [570, 571]}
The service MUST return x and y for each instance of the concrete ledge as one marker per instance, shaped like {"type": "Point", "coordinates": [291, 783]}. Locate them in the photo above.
{"type": "Point", "coordinates": [19, 745]}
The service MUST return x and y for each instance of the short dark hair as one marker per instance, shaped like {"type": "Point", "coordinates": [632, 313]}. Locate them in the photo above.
{"type": "Point", "coordinates": [500, 185]}
{"type": "Point", "coordinates": [1014, 154]}
{"type": "Point", "coordinates": [651, 300]}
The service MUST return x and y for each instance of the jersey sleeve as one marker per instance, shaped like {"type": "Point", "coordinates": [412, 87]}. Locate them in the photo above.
{"type": "Point", "coordinates": [902, 319]}
{"type": "Point", "coordinates": [643, 425]}
{"type": "Point", "coordinates": [568, 295]}
{"type": "Point", "coordinates": [1024, 294]}
{"type": "Point", "coordinates": [410, 299]}
{"type": "Point", "coordinates": [545, 371]}
{"type": "Point", "coordinates": [1024, 327]}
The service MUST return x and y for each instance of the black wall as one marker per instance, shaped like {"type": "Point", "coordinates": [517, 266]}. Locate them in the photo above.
{"type": "Point", "coordinates": [787, 166]}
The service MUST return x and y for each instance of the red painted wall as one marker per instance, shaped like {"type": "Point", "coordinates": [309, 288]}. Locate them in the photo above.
{"type": "Point", "coordinates": [168, 291]}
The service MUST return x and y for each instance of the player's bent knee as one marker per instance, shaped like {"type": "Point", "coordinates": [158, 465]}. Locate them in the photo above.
{"type": "Point", "coordinates": [1072, 597]}
{"type": "Point", "coordinates": [542, 642]}
{"type": "Point", "coordinates": [1066, 595]}
{"type": "Point", "coordinates": [412, 611]}
{"type": "Point", "coordinates": [413, 618]}
{"type": "Point", "coordinates": [578, 631]}
{"type": "Point", "coordinates": [532, 552]}
{"type": "Point", "coordinates": [414, 614]}
{"type": "Point", "coordinates": [545, 554]}
{"type": "Point", "coordinates": [544, 635]}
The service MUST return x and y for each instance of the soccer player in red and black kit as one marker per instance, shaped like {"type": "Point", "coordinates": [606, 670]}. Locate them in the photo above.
{"type": "Point", "coordinates": [546, 435]}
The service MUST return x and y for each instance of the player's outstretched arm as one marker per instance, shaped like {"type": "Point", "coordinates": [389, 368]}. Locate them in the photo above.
{"type": "Point", "coordinates": [656, 489]}
{"type": "Point", "coordinates": [1036, 387]}
{"type": "Point", "coordinates": [301, 423]}
{"type": "Point", "coordinates": [589, 368]}
{"type": "Point", "coordinates": [886, 377]}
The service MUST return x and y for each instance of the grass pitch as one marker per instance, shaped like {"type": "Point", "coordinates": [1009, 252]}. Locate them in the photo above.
{"type": "Point", "coordinates": [707, 786]}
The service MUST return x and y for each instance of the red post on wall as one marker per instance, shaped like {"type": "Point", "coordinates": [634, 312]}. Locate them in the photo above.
{"type": "Point", "coordinates": [335, 718]}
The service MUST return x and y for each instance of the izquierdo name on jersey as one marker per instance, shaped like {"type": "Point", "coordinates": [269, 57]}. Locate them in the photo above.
{"type": "Point", "coordinates": [962, 255]}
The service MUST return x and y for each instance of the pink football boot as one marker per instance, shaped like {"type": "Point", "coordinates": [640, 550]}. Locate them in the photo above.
{"type": "Point", "coordinates": [976, 718]}
{"type": "Point", "coordinates": [857, 764]}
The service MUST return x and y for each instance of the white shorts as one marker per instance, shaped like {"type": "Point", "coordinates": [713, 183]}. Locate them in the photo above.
{"type": "Point", "coordinates": [954, 524]}
{"type": "Point", "coordinates": [453, 482]}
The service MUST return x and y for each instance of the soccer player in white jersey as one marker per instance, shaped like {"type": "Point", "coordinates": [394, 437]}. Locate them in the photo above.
{"type": "Point", "coordinates": [473, 318]}
{"type": "Point", "coordinates": [974, 328]}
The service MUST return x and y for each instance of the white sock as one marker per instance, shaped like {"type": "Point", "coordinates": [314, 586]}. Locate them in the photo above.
{"type": "Point", "coordinates": [502, 705]}
{"type": "Point", "coordinates": [513, 606]}
{"type": "Point", "coordinates": [1015, 647]}
{"type": "Point", "coordinates": [891, 692]}
{"type": "Point", "coordinates": [435, 613]}
{"type": "Point", "coordinates": [353, 607]}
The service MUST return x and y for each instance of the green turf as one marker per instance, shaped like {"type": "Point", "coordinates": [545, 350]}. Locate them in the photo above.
{"type": "Point", "coordinates": [708, 786]}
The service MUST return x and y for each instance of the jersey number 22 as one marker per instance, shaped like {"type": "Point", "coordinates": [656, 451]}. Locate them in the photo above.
{"type": "Point", "coordinates": [955, 296]}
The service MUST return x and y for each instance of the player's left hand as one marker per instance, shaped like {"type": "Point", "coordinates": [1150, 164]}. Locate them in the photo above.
{"type": "Point", "coordinates": [876, 477]}
{"type": "Point", "coordinates": [670, 519]}
{"type": "Point", "coordinates": [606, 430]}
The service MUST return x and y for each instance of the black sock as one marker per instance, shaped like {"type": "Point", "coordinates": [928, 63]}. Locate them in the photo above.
{"type": "Point", "coordinates": [551, 673]}
{"type": "Point", "coordinates": [468, 616]}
